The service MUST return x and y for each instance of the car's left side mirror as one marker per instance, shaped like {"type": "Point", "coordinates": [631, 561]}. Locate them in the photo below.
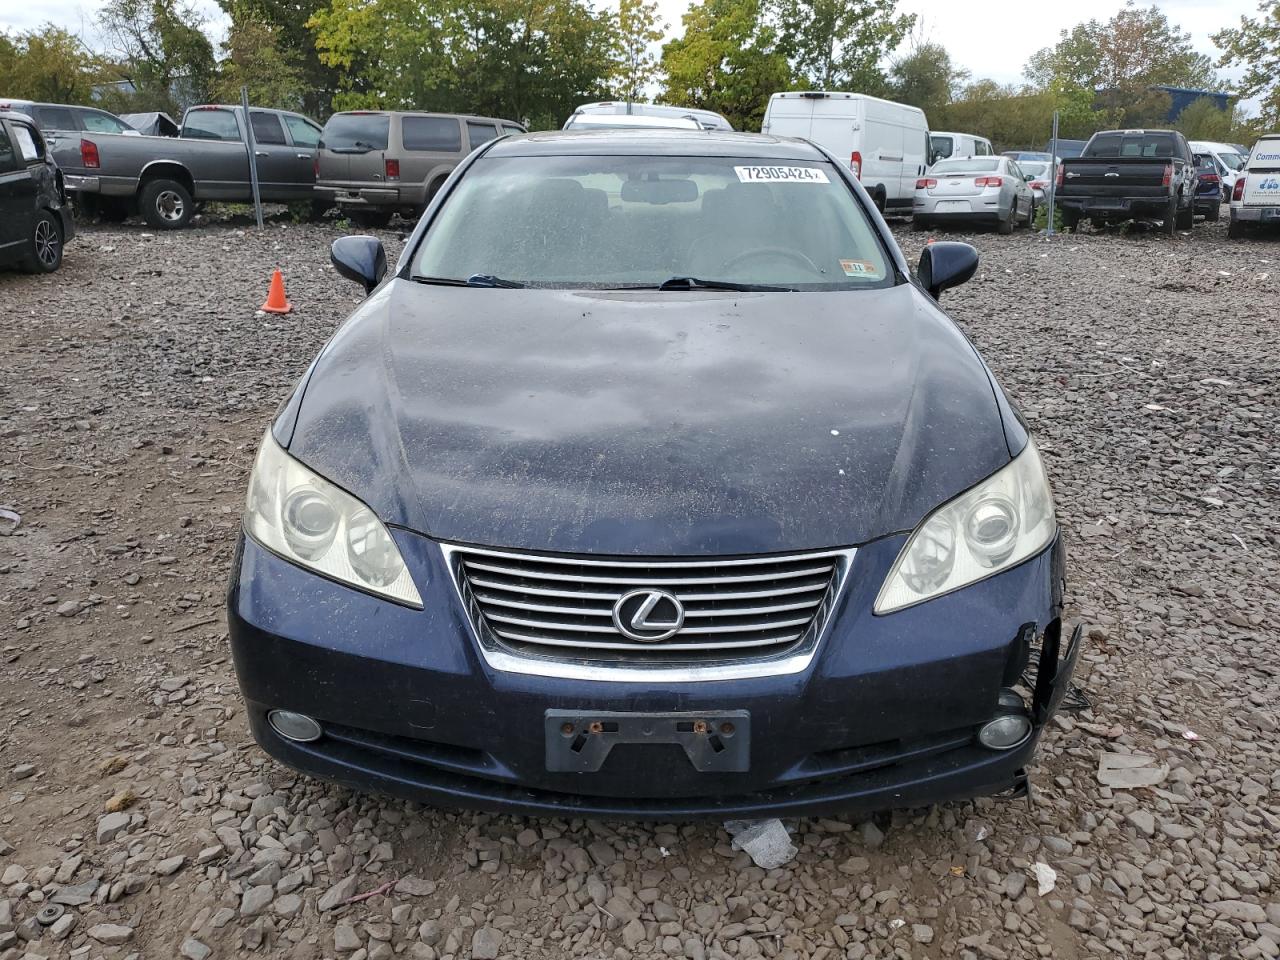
{"type": "Point", "coordinates": [361, 259]}
{"type": "Point", "coordinates": [945, 265]}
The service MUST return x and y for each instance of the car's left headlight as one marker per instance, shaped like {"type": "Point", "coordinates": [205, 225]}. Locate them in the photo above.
{"type": "Point", "coordinates": [304, 518]}
{"type": "Point", "coordinates": [999, 523]}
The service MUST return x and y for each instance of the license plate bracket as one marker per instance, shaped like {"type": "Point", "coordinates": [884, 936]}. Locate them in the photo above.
{"type": "Point", "coordinates": [715, 741]}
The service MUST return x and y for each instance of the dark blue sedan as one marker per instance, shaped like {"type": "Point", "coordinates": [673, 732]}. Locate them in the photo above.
{"type": "Point", "coordinates": [651, 483]}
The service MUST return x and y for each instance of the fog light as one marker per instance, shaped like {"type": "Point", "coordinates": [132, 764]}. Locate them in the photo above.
{"type": "Point", "coordinates": [1005, 733]}
{"type": "Point", "coordinates": [298, 727]}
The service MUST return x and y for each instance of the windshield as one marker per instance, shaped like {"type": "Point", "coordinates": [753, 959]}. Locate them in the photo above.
{"type": "Point", "coordinates": [1231, 160]}
{"type": "Point", "coordinates": [965, 166]}
{"type": "Point", "coordinates": [640, 221]}
{"type": "Point", "coordinates": [357, 132]}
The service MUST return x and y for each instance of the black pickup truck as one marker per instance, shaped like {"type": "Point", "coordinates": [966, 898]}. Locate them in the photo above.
{"type": "Point", "coordinates": [1130, 175]}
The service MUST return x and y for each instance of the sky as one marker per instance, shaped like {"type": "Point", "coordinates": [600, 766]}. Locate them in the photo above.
{"type": "Point", "coordinates": [988, 41]}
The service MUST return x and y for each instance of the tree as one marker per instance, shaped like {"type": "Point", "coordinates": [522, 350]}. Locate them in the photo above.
{"type": "Point", "coordinates": [1120, 61]}
{"type": "Point", "coordinates": [727, 60]}
{"type": "Point", "coordinates": [293, 46]}
{"type": "Point", "coordinates": [163, 52]}
{"type": "Point", "coordinates": [926, 77]}
{"type": "Point", "coordinates": [254, 58]}
{"type": "Point", "coordinates": [840, 44]}
{"type": "Point", "coordinates": [532, 60]}
{"type": "Point", "coordinates": [49, 64]}
{"type": "Point", "coordinates": [636, 67]}
{"type": "Point", "coordinates": [1255, 45]}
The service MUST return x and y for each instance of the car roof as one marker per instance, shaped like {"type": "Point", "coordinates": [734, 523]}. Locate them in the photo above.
{"type": "Point", "coordinates": [655, 142]}
{"type": "Point", "coordinates": [14, 115]}
{"type": "Point", "coordinates": [424, 113]}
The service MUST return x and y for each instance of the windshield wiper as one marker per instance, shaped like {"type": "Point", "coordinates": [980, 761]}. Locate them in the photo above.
{"type": "Point", "coordinates": [697, 283]}
{"type": "Point", "coordinates": [475, 280]}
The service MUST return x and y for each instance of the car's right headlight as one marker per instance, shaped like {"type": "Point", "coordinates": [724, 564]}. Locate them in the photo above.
{"type": "Point", "coordinates": [304, 518]}
{"type": "Point", "coordinates": [999, 523]}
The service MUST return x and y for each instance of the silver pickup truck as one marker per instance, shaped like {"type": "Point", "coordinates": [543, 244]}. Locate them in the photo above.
{"type": "Point", "coordinates": [113, 171]}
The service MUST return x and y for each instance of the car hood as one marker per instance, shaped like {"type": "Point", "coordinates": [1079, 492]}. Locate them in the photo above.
{"type": "Point", "coordinates": [649, 423]}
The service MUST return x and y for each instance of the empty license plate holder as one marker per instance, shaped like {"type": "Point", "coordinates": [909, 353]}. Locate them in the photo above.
{"type": "Point", "coordinates": [716, 741]}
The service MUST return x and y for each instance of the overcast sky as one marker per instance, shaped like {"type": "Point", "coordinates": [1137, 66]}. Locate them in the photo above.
{"type": "Point", "coordinates": [988, 40]}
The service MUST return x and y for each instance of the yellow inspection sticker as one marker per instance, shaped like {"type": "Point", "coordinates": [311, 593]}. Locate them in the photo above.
{"type": "Point", "coordinates": [780, 175]}
{"type": "Point", "coordinates": [860, 268]}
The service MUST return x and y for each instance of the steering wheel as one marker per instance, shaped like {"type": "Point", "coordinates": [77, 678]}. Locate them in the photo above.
{"type": "Point", "coordinates": [794, 255]}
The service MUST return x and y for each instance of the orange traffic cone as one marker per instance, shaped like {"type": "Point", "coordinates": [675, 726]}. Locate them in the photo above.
{"type": "Point", "coordinates": [276, 303]}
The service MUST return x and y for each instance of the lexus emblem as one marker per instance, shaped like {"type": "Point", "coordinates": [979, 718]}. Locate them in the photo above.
{"type": "Point", "coordinates": [648, 616]}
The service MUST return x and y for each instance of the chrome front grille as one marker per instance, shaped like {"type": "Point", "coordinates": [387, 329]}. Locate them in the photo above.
{"type": "Point", "coordinates": [563, 606]}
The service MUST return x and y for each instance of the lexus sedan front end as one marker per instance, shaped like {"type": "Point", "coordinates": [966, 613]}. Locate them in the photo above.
{"type": "Point", "coordinates": [651, 482]}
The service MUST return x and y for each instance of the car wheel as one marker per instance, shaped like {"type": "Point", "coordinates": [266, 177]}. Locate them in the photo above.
{"type": "Point", "coordinates": [46, 245]}
{"type": "Point", "coordinates": [371, 218]}
{"type": "Point", "coordinates": [1006, 225]}
{"type": "Point", "coordinates": [1213, 213]}
{"type": "Point", "coordinates": [166, 204]}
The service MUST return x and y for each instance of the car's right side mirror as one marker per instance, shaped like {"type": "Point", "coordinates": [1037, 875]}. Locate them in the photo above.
{"type": "Point", "coordinates": [360, 258]}
{"type": "Point", "coordinates": [945, 265]}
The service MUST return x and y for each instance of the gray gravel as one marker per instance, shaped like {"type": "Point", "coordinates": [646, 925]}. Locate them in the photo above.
{"type": "Point", "coordinates": [137, 383]}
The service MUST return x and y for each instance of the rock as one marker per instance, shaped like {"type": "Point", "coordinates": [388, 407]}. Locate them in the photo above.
{"type": "Point", "coordinates": [255, 900]}
{"type": "Point", "coordinates": [922, 933]}
{"type": "Point", "coordinates": [633, 934]}
{"type": "Point", "coordinates": [872, 835]}
{"type": "Point", "coordinates": [68, 608]}
{"type": "Point", "coordinates": [193, 949]}
{"type": "Point", "coordinates": [527, 837]}
{"type": "Point", "coordinates": [111, 826]}
{"type": "Point", "coordinates": [485, 943]}
{"type": "Point", "coordinates": [340, 891]}
{"type": "Point", "coordinates": [429, 932]}
{"type": "Point", "coordinates": [111, 934]}
{"type": "Point", "coordinates": [415, 886]}
{"type": "Point", "coordinates": [288, 905]}
{"type": "Point", "coordinates": [169, 865]}
{"type": "Point", "coordinates": [24, 770]}
{"type": "Point", "coordinates": [1241, 910]}
{"type": "Point", "coordinates": [14, 873]}
{"type": "Point", "coordinates": [345, 938]}
{"type": "Point", "coordinates": [61, 928]}
{"type": "Point", "coordinates": [1143, 821]}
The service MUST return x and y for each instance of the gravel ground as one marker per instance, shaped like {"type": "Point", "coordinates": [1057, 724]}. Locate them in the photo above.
{"type": "Point", "coordinates": [136, 385]}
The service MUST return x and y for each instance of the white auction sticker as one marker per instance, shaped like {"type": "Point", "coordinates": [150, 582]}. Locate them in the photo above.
{"type": "Point", "coordinates": [780, 175]}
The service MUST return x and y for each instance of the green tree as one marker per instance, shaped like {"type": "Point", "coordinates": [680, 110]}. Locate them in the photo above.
{"type": "Point", "coordinates": [1119, 61]}
{"type": "Point", "coordinates": [840, 44]}
{"type": "Point", "coordinates": [727, 60]}
{"type": "Point", "coordinates": [531, 60]}
{"type": "Point", "coordinates": [293, 46]}
{"type": "Point", "coordinates": [162, 52]}
{"type": "Point", "coordinates": [1255, 45]}
{"type": "Point", "coordinates": [926, 78]}
{"type": "Point", "coordinates": [49, 64]}
{"type": "Point", "coordinates": [255, 58]}
{"type": "Point", "coordinates": [636, 68]}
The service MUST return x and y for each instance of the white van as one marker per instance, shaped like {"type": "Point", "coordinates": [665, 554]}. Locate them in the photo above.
{"type": "Point", "coordinates": [706, 119]}
{"type": "Point", "coordinates": [1228, 160]}
{"type": "Point", "coordinates": [947, 144]}
{"type": "Point", "coordinates": [886, 144]}
{"type": "Point", "coordinates": [1255, 200]}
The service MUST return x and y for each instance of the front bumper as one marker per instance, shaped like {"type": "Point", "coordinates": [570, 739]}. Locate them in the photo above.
{"type": "Point", "coordinates": [883, 717]}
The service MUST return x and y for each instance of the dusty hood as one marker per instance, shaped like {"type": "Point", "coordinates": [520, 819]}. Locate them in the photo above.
{"type": "Point", "coordinates": [649, 423]}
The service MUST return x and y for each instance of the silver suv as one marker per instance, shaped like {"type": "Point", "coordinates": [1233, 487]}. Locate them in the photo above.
{"type": "Point", "coordinates": [373, 163]}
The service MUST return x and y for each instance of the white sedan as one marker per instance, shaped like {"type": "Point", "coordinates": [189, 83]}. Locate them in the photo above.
{"type": "Point", "coordinates": [990, 190]}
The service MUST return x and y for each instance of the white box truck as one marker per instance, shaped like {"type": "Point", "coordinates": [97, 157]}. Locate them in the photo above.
{"type": "Point", "coordinates": [886, 144]}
